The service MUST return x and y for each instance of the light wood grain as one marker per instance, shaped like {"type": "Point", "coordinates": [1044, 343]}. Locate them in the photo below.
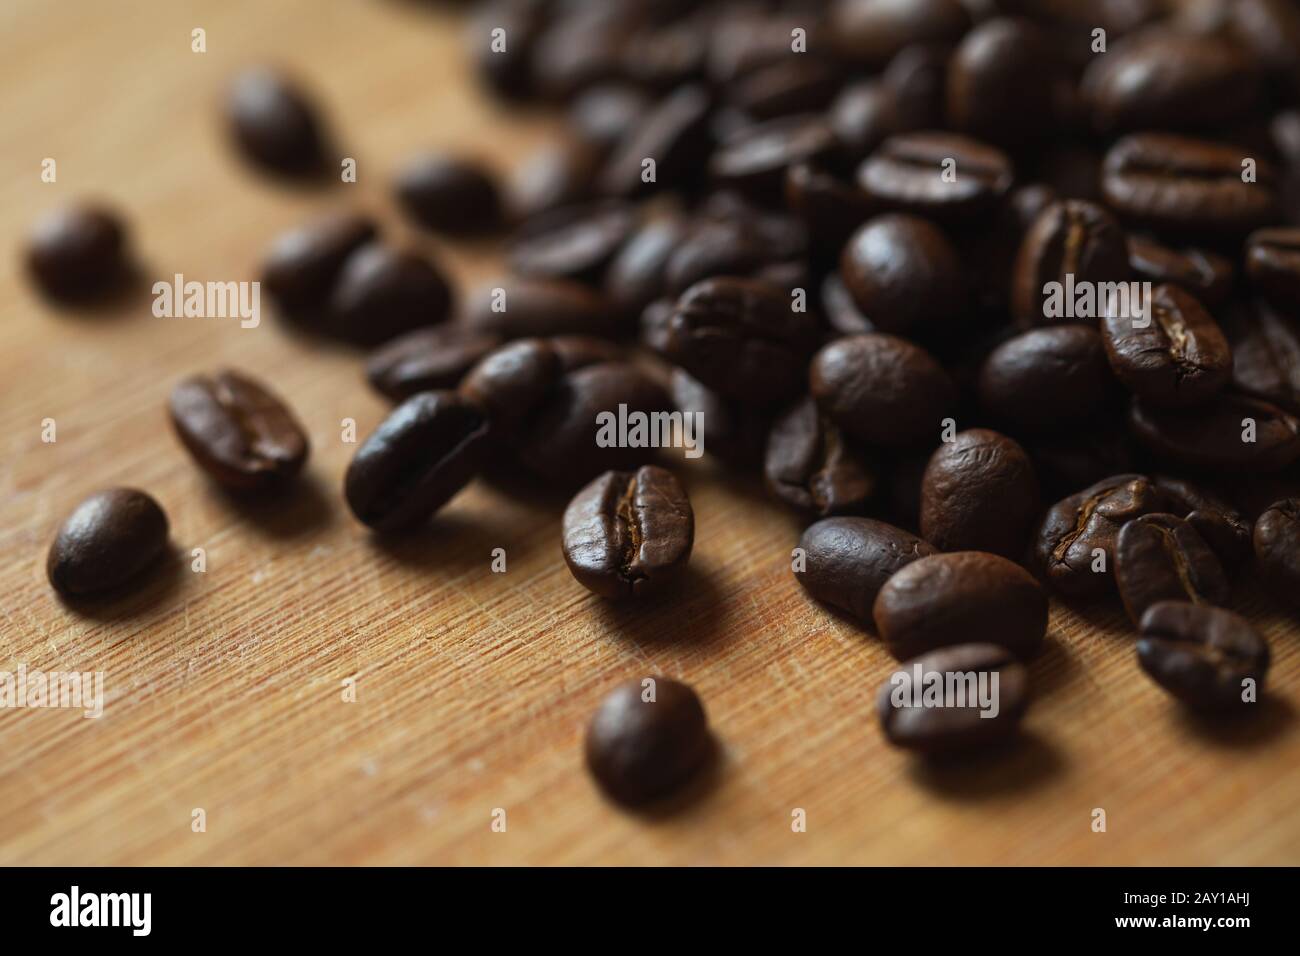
{"type": "Point", "coordinates": [223, 688]}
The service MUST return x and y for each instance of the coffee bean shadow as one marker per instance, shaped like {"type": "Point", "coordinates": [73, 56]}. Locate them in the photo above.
{"type": "Point", "coordinates": [867, 629]}
{"type": "Point", "coordinates": [450, 538]}
{"type": "Point", "coordinates": [1104, 613]}
{"type": "Point", "coordinates": [300, 507]}
{"type": "Point", "coordinates": [126, 296]}
{"type": "Point", "coordinates": [1254, 726]}
{"type": "Point", "coordinates": [687, 613]}
{"type": "Point", "coordinates": [702, 784]}
{"type": "Point", "coordinates": [1014, 766]}
{"type": "Point", "coordinates": [154, 587]}
{"type": "Point", "coordinates": [509, 477]}
{"type": "Point", "coordinates": [1052, 668]}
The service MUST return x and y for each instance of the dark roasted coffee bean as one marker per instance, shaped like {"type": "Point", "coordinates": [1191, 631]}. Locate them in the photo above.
{"type": "Point", "coordinates": [1046, 379]}
{"type": "Point", "coordinates": [1224, 529]}
{"type": "Point", "coordinates": [451, 195]}
{"type": "Point", "coordinates": [1161, 557]}
{"type": "Point", "coordinates": [917, 80]}
{"type": "Point", "coordinates": [512, 381]}
{"type": "Point", "coordinates": [939, 175]}
{"type": "Point", "coordinates": [960, 725]}
{"type": "Point", "coordinates": [77, 251]}
{"type": "Point", "coordinates": [841, 311]}
{"type": "Point", "coordinates": [755, 159]}
{"type": "Point", "coordinates": [629, 533]}
{"type": "Point", "coordinates": [515, 307]}
{"type": "Point", "coordinates": [421, 455]}
{"type": "Point", "coordinates": [1233, 433]}
{"type": "Point", "coordinates": [508, 69]}
{"type": "Point", "coordinates": [1074, 546]}
{"type": "Point", "coordinates": [1265, 353]}
{"type": "Point", "coordinates": [870, 32]}
{"type": "Point", "coordinates": [664, 57]}
{"type": "Point", "coordinates": [1273, 264]}
{"type": "Point", "coordinates": [673, 134]}
{"type": "Point", "coordinates": [743, 338]}
{"type": "Point", "coordinates": [740, 245]}
{"type": "Point", "coordinates": [427, 360]}
{"type": "Point", "coordinates": [979, 493]}
{"type": "Point", "coordinates": [795, 85]}
{"type": "Point", "coordinates": [848, 560]}
{"type": "Point", "coordinates": [241, 434]}
{"type": "Point", "coordinates": [1072, 244]}
{"type": "Point", "coordinates": [1277, 548]}
{"type": "Point", "coordinates": [959, 598]}
{"type": "Point", "coordinates": [747, 39]}
{"type": "Point", "coordinates": [1164, 79]}
{"type": "Point", "coordinates": [574, 242]}
{"type": "Point", "coordinates": [581, 46]}
{"type": "Point", "coordinates": [810, 465]}
{"type": "Point", "coordinates": [647, 739]}
{"type": "Point", "coordinates": [862, 117]}
{"type": "Point", "coordinates": [1171, 353]}
{"type": "Point", "coordinates": [274, 123]}
{"type": "Point", "coordinates": [303, 264]}
{"type": "Point", "coordinates": [563, 441]}
{"type": "Point", "coordinates": [109, 539]}
{"type": "Point", "coordinates": [904, 273]}
{"type": "Point", "coordinates": [384, 292]}
{"type": "Point", "coordinates": [1270, 31]}
{"type": "Point", "coordinates": [603, 115]}
{"type": "Point", "coordinates": [735, 432]}
{"type": "Point", "coordinates": [881, 389]}
{"type": "Point", "coordinates": [1187, 186]}
{"type": "Point", "coordinates": [1002, 82]}
{"type": "Point", "coordinates": [559, 174]}
{"type": "Point", "coordinates": [1209, 658]}
{"type": "Point", "coordinates": [830, 207]}
{"type": "Point", "coordinates": [637, 275]}
{"type": "Point", "coordinates": [1206, 275]}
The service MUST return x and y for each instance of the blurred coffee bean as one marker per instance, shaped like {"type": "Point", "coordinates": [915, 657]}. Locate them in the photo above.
{"type": "Point", "coordinates": [560, 174]}
{"type": "Point", "coordinates": [673, 135]}
{"type": "Point", "coordinates": [830, 207]}
{"type": "Point", "coordinates": [1233, 433]}
{"type": "Point", "coordinates": [448, 194]}
{"type": "Point", "coordinates": [870, 32]}
{"type": "Point", "coordinates": [1277, 549]}
{"type": "Point", "coordinates": [1001, 83]}
{"type": "Point", "coordinates": [77, 252]}
{"type": "Point", "coordinates": [863, 116]}
{"type": "Point", "coordinates": [602, 116]}
{"type": "Point", "coordinates": [427, 360]}
{"type": "Point", "coordinates": [1273, 264]}
{"type": "Point", "coordinates": [841, 312]}
{"type": "Point", "coordinates": [573, 242]}
{"type": "Point", "coordinates": [1205, 274]}
{"type": "Point", "coordinates": [733, 431]}
{"type": "Point", "coordinates": [274, 122]}
{"type": "Point", "coordinates": [812, 467]}
{"type": "Point", "coordinates": [755, 160]}
{"type": "Point", "coordinates": [1265, 353]}
{"type": "Point", "coordinates": [382, 292]}
{"type": "Point", "coordinates": [636, 276]}
{"type": "Point", "coordinates": [303, 264]}
{"type": "Point", "coordinates": [938, 175]}
{"type": "Point", "coordinates": [514, 307]}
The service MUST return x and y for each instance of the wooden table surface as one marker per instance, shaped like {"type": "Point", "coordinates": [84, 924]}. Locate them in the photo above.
{"type": "Point", "coordinates": [224, 689]}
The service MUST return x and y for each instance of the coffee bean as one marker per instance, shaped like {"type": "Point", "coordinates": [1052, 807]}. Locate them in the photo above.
{"type": "Point", "coordinates": [240, 433]}
{"type": "Point", "coordinates": [673, 134]}
{"type": "Point", "coordinates": [559, 174]}
{"type": "Point", "coordinates": [736, 432]}
{"type": "Point", "coordinates": [1161, 557]}
{"type": "Point", "coordinates": [1204, 274]}
{"type": "Point", "coordinates": [905, 274]}
{"type": "Point", "coordinates": [1187, 186]}
{"type": "Point", "coordinates": [603, 115]}
{"type": "Point", "coordinates": [755, 159]}
{"type": "Point", "coordinates": [961, 597]}
{"type": "Point", "coordinates": [937, 175]}
{"type": "Point", "coordinates": [573, 242]}
{"type": "Point", "coordinates": [647, 739]}
{"type": "Point", "coordinates": [830, 207]}
{"type": "Point", "coordinates": [870, 32]}
{"type": "Point", "coordinates": [863, 116]}
{"type": "Point", "coordinates": [1234, 433]}
{"type": "Point", "coordinates": [1277, 548]}
{"type": "Point", "coordinates": [516, 307]}
{"type": "Point", "coordinates": [979, 493]}
{"type": "Point", "coordinates": [1224, 529]}
{"type": "Point", "coordinates": [1074, 546]}
{"type": "Point", "coordinates": [383, 292]}
{"type": "Point", "coordinates": [881, 389]}
{"type": "Point", "coordinates": [743, 338]}
{"type": "Point", "coordinates": [1173, 354]}
{"type": "Point", "coordinates": [1047, 379]}
{"type": "Point", "coordinates": [425, 451]}
{"type": "Point", "coordinates": [303, 264]}
{"type": "Point", "coordinates": [427, 360]}
{"type": "Point", "coordinates": [274, 122]}
{"type": "Point", "coordinates": [637, 275]}
{"type": "Point", "coordinates": [841, 311]}
{"type": "Point", "coordinates": [108, 540]}
{"type": "Point", "coordinates": [77, 252]}
{"type": "Point", "coordinates": [1001, 82]}
{"type": "Point", "coordinates": [917, 79]}
{"type": "Point", "coordinates": [745, 39]}
{"type": "Point", "coordinates": [990, 255]}
{"type": "Point", "coordinates": [507, 69]}
{"type": "Point", "coordinates": [662, 57]}
{"type": "Point", "coordinates": [1270, 32]}
{"type": "Point", "coordinates": [1273, 264]}
{"type": "Point", "coordinates": [580, 46]}
{"type": "Point", "coordinates": [1202, 655]}
{"type": "Point", "coordinates": [1163, 79]}
{"type": "Point", "coordinates": [812, 467]}
{"type": "Point", "coordinates": [1265, 353]}
{"type": "Point", "coordinates": [1069, 239]}
{"type": "Point", "coordinates": [741, 245]}
{"type": "Point", "coordinates": [448, 194]}
{"type": "Point", "coordinates": [794, 85]}
{"type": "Point", "coordinates": [960, 725]}
{"type": "Point", "coordinates": [848, 561]}
{"type": "Point", "coordinates": [629, 533]}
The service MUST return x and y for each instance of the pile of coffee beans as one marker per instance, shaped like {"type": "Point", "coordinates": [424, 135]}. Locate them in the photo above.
{"type": "Point", "coordinates": [1002, 298]}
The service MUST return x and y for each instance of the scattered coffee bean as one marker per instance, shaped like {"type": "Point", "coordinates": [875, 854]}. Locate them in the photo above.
{"type": "Point", "coordinates": [628, 534]}
{"type": "Point", "coordinates": [1161, 557]}
{"type": "Point", "coordinates": [870, 32]}
{"type": "Point", "coordinates": [755, 159]}
{"type": "Point", "coordinates": [1002, 81]}
{"type": "Point", "coordinates": [240, 433]}
{"type": "Point", "coordinates": [274, 123]}
{"type": "Point", "coordinates": [508, 68]}
{"type": "Point", "coordinates": [743, 246]}
{"type": "Point", "coordinates": [881, 389]}
{"type": "Point", "coordinates": [515, 307]}
{"type": "Point", "coordinates": [428, 449]}
{"type": "Point", "coordinates": [559, 174]}
{"type": "Point", "coordinates": [302, 265]}
{"type": "Point", "coordinates": [647, 739]}
{"type": "Point", "coordinates": [603, 115]}
{"type": "Point", "coordinates": [961, 597]}
{"type": "Point", "coordinates": [637, 275]}
{"type": "Point", "coordinates": [1204, 274]}
{"type": "Point", "coordinates": [1265, 353]}
{"type": "Point", "coordinates": [1046, 379]}
{"type": "Point", "coordinates": [863, 116]}
{"type": "Point", "coordinates": [791, 86]}
{"type": "Point", "coordinates": [1072, 244]}
{"type": "Point", "coordinates": [1273, 264]}
{"type": "Point", "coordinates": [108, 540]}
{"type": "Point", "coordinates": [830, 207]}
{"type": "Point", "coordinates": [937, 175]}
{"type": "Point", "coordinates": [574, 242]}
{"type": "Point", "coordinates": [673, 134]}
{"type": "Point", "coordinates": [849, 559]}
{"type": "Point", "coordinates": [1234, 433]}
{"type": "Point", "coordinates": [957, 726]}
{"type": "Point", "coordinates": [812, 467]}
{"type": "Point", "coordinates": [450, 195]}
{"type": "Point", "coordinates": [1205, 656]}
{"type": "Point", "coordinates": [1277, 548]}
{"type": "Point", "coordinates": [979, 493]}
{"type": "Point", "coordinates": [427, 360]}
{"type": "Point", "coordinates": [384, 292]}
{"type": "Point", "coordinates": [77, 252]}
